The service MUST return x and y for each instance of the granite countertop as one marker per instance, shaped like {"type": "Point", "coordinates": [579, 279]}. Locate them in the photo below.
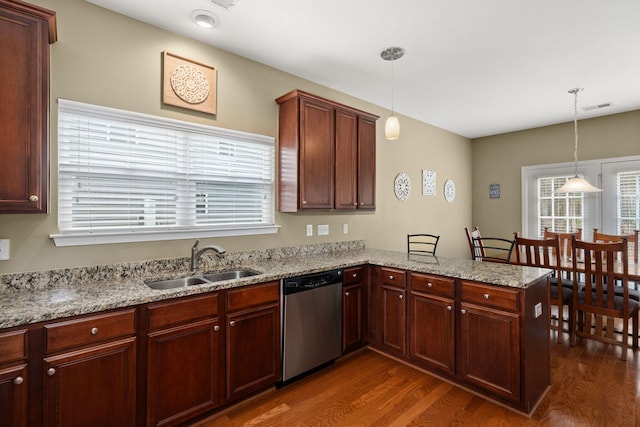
{"type": "Point", "coordinates": [28, 298]}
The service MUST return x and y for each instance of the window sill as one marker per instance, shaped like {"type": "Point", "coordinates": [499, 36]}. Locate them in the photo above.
{"type": "Point", "coordinates": [94, 238]}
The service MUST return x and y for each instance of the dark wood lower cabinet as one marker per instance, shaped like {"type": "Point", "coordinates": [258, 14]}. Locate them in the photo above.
{"type": "Point", "coordinates": [13, 396]}
{"type": "Point", "coordinates": [94, 386]}
{"type": "Point", "coordinates": [352, 315]}
{"type": "Point", "coordinates": [393, 319]}
{"type": "Point", "coordinates": [432, 332]}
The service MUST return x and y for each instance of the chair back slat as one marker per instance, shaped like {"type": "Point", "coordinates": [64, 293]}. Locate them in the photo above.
{"type": "Point", "coordinates": [422, 243]}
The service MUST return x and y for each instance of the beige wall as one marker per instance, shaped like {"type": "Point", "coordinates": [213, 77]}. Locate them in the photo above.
{"type": "Point", "coordinates": [498, 160]}
{"type": "Point", "coordinates": [107, 59]}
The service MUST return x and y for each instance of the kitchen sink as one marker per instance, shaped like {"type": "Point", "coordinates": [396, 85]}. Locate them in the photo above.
{"type": "Point", "coordinates": [199, 280]}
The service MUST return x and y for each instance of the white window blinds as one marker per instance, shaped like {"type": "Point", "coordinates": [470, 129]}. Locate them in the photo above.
{"type": "Point", "coordinates": [126, 172]}
{"type": "Point", "coordinates": [560, 213]}
{"type": "Point", "coordinates": [628, 184]}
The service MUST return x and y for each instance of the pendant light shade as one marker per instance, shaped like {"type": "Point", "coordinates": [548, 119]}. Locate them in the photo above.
{"type": "Point", "coordinates": [392, 126]}
{"type": "Point", "coordinates": [576, 184]}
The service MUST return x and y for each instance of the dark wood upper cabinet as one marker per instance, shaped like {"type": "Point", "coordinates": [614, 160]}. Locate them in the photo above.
{"type": "Point", "coordinates": [326, 154]}
{"type": "Point", "coordinates": [25, 34]}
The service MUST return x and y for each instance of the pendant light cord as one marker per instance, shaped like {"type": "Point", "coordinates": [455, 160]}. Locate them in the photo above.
{"type": "Point", "coordinates": [392, 81]}
{"type": "Point", "coordinates": [575, 128]}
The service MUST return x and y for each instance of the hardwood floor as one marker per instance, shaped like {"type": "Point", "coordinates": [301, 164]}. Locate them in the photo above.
{"type": "Point", "coordinates": [590, 386]}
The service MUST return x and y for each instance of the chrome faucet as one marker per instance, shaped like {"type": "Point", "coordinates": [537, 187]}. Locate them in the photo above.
{"type": "Point", "coordinates": [196, 253]}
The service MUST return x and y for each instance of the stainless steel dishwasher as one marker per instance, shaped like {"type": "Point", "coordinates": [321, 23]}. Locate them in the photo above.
{"type": "Point", "coordinates": [311, 322]}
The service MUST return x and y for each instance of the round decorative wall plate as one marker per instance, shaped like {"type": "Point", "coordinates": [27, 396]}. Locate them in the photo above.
{"type": "Point", "coordinates": [449, 191]}
{"type": "Point", "coordinates": [402, 186]}
{"type": "Point", "coordinates": [190, 84]}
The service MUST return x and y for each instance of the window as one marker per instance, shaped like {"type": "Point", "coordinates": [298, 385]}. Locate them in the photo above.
{"type": "Point", "coordinates": [560, 213]}
{"type": "Point", "coordinates": [125, 176]}
{"type": "Point", "coordinates": [616, 210]}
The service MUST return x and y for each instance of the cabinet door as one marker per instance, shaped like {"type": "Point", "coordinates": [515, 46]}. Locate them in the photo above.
{"type": "Point", "coordinates": [13, 396]}
{"type": "Point", "coordinates": [184, 375]}
{"type": "Point", "coordinates": [431, 331]}
{"type": "Point", "coordinates": [24, 72]}
{"type": "Point", "coordinates": [346, 160]}
{"type": "Point", "coordinates": [317, 155]}
{"type": "Point", "coordinates": [490, 350]}
{"type": "Point", "coordinates": [393, 319]}
{"type": "Point", "coordinates": [366, 163]}
{"type": "Point", "coordinates": [94, 387]}
{"type": "Point", "coordinates": [351, 317]}
{"type": "Point", "coordinates": [253, 350]}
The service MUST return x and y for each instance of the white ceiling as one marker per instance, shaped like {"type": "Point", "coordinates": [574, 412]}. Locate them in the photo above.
{"type": "Point", "coordinates": [473, 67]}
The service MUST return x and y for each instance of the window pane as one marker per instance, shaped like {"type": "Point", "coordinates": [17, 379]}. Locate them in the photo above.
{"type": "Point", "coordinates": [560, 213]}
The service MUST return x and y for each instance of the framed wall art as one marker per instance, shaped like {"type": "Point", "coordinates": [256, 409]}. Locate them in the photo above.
{"type": "Point", "coordinates": [188, 84]}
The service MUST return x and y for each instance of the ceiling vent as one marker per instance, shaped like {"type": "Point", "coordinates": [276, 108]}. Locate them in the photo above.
{"type": "Point", "coordinates": [225, 4]}
{"type": "Point", "coordinates": [597, 106]}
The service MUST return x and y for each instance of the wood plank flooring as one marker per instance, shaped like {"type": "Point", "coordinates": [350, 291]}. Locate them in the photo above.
{"type": "Point", "coordinates": [590, 386]}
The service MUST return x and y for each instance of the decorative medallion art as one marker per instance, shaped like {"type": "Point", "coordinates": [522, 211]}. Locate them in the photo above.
{"type": "Point", "coordinates": [188, 84]}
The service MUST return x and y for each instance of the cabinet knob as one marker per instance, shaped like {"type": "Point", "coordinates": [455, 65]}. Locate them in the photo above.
{"type": "Point", "coordinates": [51, 371]}
{"type": "Point", "coordinates": [94, 331]}
{"type": "Point", "coordinates": [355, 204]}
{"type": "Point", "coordinates": [430, 285]}
{"type": "Point", "coordinates": [346, 294]}
{"type": "Point", "coordinates": [304, 202]}
{"type": "Point", "coordinates": [449, 308]}
{"type": "Point", "coordinates": [18, 380]}
{"type": "Point", "coordinates": [232, 323]}
{"type": "Point", "coordinates": [486, 296]}
{"type": "Point", "coordinates": [401, 296]}
{"type": "Point", "coordinates": [355, 275]}
{"type": "Point", "coordinates": [33, 198]}
{"type": "Point", "coordinates": [390, 277]}
{"type": "Point", "coordinates": [463, 311]}
{"type": "Point", "coordinates": [216, 328]}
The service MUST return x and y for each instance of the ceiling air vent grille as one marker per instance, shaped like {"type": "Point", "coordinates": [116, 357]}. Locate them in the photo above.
{"type": "Point", "coordinates": [225, 4]}
{"type": "Point", "coordinates": [597, 106]}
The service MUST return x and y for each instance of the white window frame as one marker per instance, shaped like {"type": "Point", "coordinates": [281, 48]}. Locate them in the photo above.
{"type": "Point", "coordinates": [182, 231]}
{"type": "Point", "coordinates": [600, 208]}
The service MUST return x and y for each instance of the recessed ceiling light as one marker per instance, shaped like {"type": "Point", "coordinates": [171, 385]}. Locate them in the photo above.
{"type": "Point", "coordinates": [205, 19]}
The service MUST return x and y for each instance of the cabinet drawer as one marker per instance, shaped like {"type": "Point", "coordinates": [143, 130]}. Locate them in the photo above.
{"type": "Point", "coordinates": [251, 296]}
{"type": "Point", "coordinates": [432, 284]}
{"type": "Point", "coordinates": [491, 296]}
{"type": "Point", "coordinates": [394, 277]}
{"type": "Point", "coordinates": [184, 310]}
{"type": "Point", "coordinates": [89, 330]}
{"type": "Point", "coordinates": [352, 275]}
{"type": "Point", "coordinates": [13, 346]}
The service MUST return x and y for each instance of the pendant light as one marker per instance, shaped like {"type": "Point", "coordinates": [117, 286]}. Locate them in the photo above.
{"type": "Point", "coordinates": [576, 184]}
{"type": "Point", "coordinates": [392, 126]}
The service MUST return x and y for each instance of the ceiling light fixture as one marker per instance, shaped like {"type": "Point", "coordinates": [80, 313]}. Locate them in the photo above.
{"type": "Point", "coordinates": [576, 184]}
{"type": "Point", "coordinates": [392, 126]}
{"type": "Point", "coordinates": [204, 18]}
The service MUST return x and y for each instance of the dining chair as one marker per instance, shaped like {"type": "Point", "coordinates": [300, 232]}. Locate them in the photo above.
{"type": "Point", "coordinates": [546, 253]}
{"type": "Point", "coordinates": [632, 239]}
{"type": "Point", "coordinates": [473, 234]}
{"type": "Point", "coordinates": [492, 249]}
{"type": "Point", "coordinates": [422, 243]}
{"type": "Point", "coordinates": [565, 240]}
{"type": "Point", "coordinates": [600, 300]}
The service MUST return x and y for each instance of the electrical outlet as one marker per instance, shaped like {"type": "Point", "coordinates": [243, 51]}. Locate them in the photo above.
{"type": "Point", "coordinates": [323, 230]}
{"type": "Point", "coordinates": [4, 249]}
{"type": "Point", "coordinates": [538, 310]}
{"type": "Point", "coordinates": [345, 228]}
{"type": "Point", "coordinates": [309, 230]}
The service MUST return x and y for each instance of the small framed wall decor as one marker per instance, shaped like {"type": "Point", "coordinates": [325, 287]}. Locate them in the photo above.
{"type": "Point", "coordinates": [188, 84]}
{"type": "Point", "coordinates": [428, 182]}
{"type": "Point", "coordinates": [494, 191]}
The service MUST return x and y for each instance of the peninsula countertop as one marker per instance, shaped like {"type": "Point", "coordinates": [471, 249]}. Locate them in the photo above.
{"type": "Point", "coordinates": [28, 298]}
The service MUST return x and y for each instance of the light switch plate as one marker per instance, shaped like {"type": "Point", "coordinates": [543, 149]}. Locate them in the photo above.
{"type": "Point", "coordinates": [538, 310]}
{"type": "Point", "coordinates": [345, 228]}
{"type": "Point", "coordinates": [309, 230]}
{"type": "Point", "coordinates": [323, 230]}
{"type": "Point", "coordinates": [4, 249]}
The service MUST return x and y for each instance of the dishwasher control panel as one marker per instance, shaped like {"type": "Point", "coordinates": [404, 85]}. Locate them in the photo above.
{"type": "Point", "coordinates": [311, 281]}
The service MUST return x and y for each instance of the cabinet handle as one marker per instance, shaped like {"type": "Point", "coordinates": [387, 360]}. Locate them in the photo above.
{"type": "Point", "coordinates": [486, 296]}
{"type": "Point", "coordinates": [18, 380]}
{"type": "Point", "coordinates": [33, 198]}
{"type": "Point", "coordinates": [232, 323]}
{"type": "Point", "coordinates": [463, 311]}
{"type": "Point", "coordinates": [401, 296]}
{"type": "Point", "coordinates": [346, 294]}
{"type": "Point", "coordinates": [449, 308]}
{"type": "Point", "coordinates": [430, 284]}
{"type": "Point", "coordinates": [216, 328]}
{"type": "Point", "coordinates": [51, 372]}
{"type": "Point", "coordinates": [94, 331]}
